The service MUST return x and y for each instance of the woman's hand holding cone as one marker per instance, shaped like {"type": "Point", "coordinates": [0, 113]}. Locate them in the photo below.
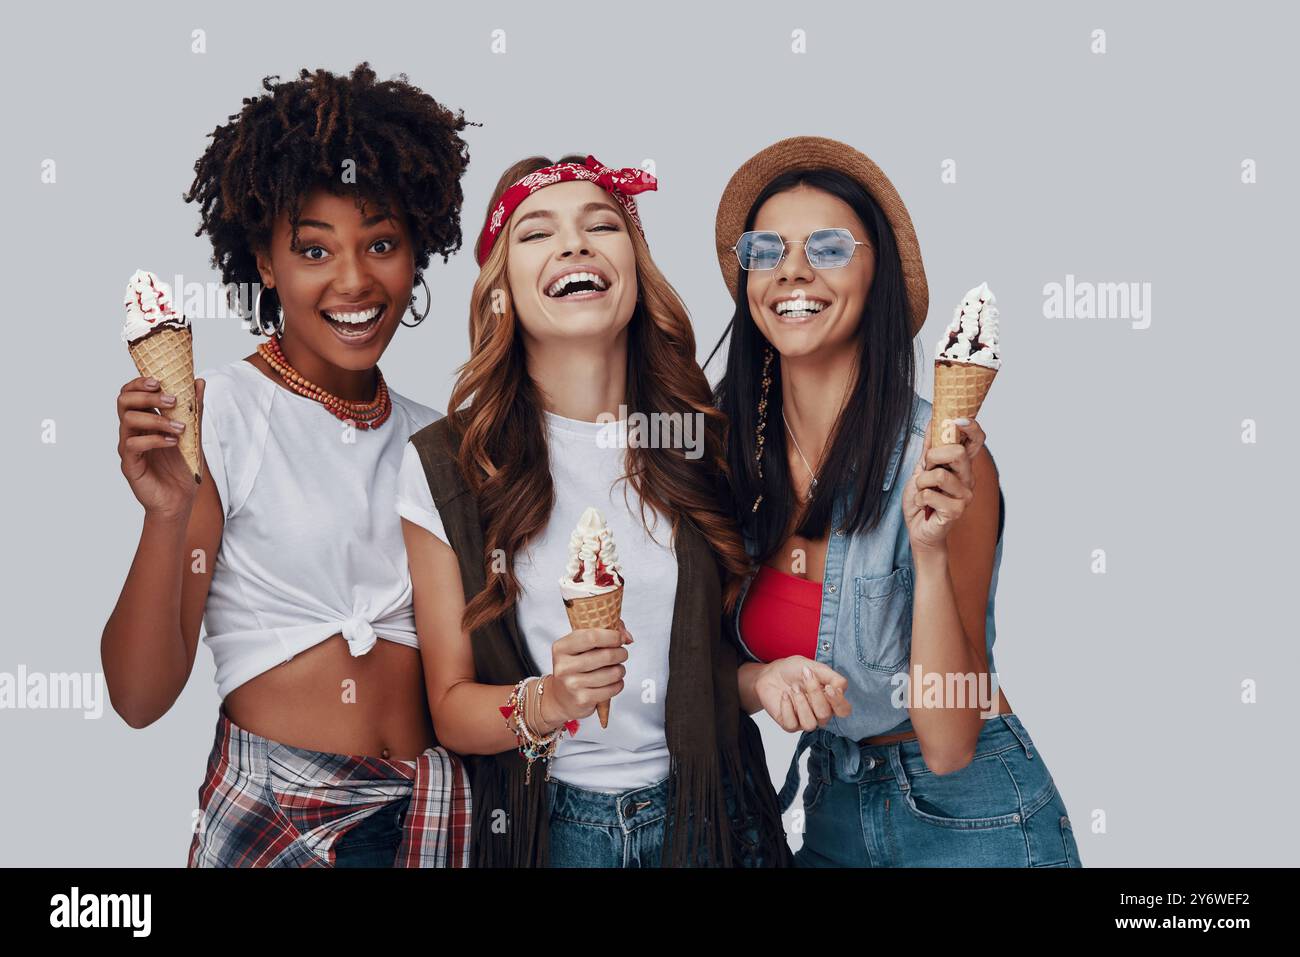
{"type": "Point", "coordinates": [942, 485]}
{"type": "Point", "coordinates": [587, 669]}
{"type": "Point", "coordinates": [147, 444]}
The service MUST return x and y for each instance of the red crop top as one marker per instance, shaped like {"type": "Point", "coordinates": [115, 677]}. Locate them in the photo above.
{"type": "Point", "coordinates": [781, 615]}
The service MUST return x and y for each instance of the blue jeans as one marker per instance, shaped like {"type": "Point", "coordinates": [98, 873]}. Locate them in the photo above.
{"type": "Point", "coordinates": [594, 829]}
{"type": "Point", "coordinates": [373, 842]}
{"type": "Point", "coordinates": [1001, 810]}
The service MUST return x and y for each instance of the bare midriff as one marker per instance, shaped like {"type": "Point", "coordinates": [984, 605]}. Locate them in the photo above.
{"type": "Point", "coordinates": [326, 700]}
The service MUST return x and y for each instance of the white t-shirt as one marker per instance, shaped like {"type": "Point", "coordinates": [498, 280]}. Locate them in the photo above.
{"type": "Point", "coordinates": [632, 752]}
{"type": "Point", "coordinates": [310, 546]}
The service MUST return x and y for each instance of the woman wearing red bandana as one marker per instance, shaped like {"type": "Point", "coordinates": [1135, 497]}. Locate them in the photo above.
{"type": "Point", "coordinates": [574, 334]}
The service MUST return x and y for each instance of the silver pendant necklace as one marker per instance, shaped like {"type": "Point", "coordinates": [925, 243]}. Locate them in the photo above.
{"type": "Point", "coordinates": [812, 486]}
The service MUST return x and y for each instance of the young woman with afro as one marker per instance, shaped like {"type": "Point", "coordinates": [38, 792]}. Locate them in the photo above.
{"type": "Point", "coordinates": [331, 193]}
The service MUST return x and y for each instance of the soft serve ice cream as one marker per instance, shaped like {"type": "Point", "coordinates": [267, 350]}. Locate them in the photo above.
{"type": "Point", "coordinates": [965, 364]}
{"type": "Point", "coordinates": [593, 567]}
{"type": "Point", "coordinates": [149, 307]}
{"type": "Point", "coordinates": [972, 336]}
{"type": "Point", "coordinates": [161, 344]}
{"type": "Point", "coordinates": [592, 586]}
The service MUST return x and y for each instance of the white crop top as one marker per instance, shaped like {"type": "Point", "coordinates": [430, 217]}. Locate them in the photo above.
{"type": "Point", "coordinates": [633, 751]}
{"type": "Point", "coordinates": [310, 547]}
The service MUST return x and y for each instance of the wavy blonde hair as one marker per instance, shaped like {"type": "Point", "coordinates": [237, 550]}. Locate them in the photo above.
{"type": "Point", "coordinates": [500, 433]}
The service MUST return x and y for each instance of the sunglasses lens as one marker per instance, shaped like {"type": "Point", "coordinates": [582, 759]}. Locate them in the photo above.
{"type": "Point", "coordinates": [759, 250]}
{"type": "Point", "coordinates": [830, 248]}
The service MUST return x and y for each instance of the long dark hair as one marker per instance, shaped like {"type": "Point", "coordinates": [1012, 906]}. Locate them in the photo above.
{"type": "Point", "coordinates": [877, 409]}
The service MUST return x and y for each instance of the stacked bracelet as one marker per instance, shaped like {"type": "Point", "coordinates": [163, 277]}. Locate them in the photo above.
{"type": "Point", "coordinates": [523, 714]}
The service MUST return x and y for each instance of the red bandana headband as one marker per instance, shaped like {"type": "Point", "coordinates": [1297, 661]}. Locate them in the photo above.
{"type": "Point", "coordinates": [620, 183]}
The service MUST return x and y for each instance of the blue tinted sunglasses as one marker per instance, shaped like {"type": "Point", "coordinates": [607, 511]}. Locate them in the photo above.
{"type": "Point", "coordinates": [828, 248]}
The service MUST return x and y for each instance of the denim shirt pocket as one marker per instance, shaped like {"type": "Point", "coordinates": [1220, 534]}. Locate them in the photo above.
{"type": "Point", "coordinates": [882, 620]}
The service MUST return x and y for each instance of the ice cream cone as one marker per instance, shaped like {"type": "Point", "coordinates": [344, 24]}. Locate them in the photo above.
{"type": "Point", "coordinates": [167, 354]}
{"type": "Point", "coordinates": [959, 391]}
{"type": "Point", "coordinates": [596, 611]}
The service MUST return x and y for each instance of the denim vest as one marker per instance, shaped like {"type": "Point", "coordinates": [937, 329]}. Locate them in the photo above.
{"type": "Point", "coordinates": [865, 632]}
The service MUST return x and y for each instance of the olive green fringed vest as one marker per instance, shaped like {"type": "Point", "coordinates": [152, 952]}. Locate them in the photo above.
{"type": "Point", "coordinates": [710, 741]}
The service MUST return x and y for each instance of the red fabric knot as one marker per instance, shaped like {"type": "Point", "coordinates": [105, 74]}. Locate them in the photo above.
{"type": "Point", "coordinates": [621, 183]}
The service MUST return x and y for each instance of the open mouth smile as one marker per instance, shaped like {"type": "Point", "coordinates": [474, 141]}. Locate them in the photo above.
{"type": "Point", "coordinates": [798, 308]}
{"type": "Point", "coordinates": [355, 326]}
{"type": "Point", "coordinates": [578, 284]}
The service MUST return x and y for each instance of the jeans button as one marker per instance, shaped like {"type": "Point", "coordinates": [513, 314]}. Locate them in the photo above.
{"type": "Point", "coordinates": [831, 589]}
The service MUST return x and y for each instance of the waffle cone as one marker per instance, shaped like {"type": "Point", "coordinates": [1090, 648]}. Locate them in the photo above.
{"type": "Point", "coordinates": [167, 354]}
{"type": "Point", "coordinates": [959, 391]}
{"type": "Point", "coordinates": [596, 611]}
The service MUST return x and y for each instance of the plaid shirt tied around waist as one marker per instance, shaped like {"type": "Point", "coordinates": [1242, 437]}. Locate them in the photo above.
{"type": "Point", "coordinates": [265, 804]}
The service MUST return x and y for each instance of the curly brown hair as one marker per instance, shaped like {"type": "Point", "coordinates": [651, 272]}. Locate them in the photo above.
{"type": "Point", "coordinates": [297, 137]}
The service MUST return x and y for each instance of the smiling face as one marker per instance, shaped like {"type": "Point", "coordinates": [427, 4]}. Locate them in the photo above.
{"type": "Point", "coordinates": [572, 268]}
{"type": "Point", "coordinates": [801, 310]}
{"type": "Point", "coordinates": [344, 287]}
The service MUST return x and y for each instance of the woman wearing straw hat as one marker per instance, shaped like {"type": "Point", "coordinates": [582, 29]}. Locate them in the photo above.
{"type": "Point", "coordinates": [877, 556]}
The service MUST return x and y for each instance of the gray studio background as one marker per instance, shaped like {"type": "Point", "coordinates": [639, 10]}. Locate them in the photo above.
{"type": "Point", "coordinates": [1122, 167]}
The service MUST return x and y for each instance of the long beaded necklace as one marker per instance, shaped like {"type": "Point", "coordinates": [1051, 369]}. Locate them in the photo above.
{"type": "Point", "coordinates": [365, 415]}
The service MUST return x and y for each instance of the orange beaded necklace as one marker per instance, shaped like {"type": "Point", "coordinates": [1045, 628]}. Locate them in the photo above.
{"type": "Point", "coordinates": [365, 415]}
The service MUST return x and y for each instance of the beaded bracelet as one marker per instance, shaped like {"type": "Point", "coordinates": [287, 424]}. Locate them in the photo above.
{"type": "Point", "coordinates": [532, 746]}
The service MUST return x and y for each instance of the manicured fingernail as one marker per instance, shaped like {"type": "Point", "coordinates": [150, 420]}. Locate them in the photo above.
{"type": "Point", "coordinates": [151, 383]}
{"type": "Point", "coordinates": [170, 439]}
{"type": "Point", "coordinates": [178, 426]}
{"type": "Point", "coordinates": [169, 400]}
{"type": "Point", "coordinates": [961, 421]}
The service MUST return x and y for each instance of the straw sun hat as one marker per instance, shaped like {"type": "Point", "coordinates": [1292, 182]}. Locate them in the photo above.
{"type": "Point", "coordinates": [806, 152]}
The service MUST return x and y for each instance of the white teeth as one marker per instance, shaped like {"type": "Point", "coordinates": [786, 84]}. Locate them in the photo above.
{"type": "Point", "coordinates": [560, 284]}
{"type": "Point", "coordinates": [364, 316]}
{"type": "Point", "coordinates": [798, 307]}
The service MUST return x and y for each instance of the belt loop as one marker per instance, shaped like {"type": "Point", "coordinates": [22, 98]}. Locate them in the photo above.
{"type": "Point", "coordinates": [896, 763]}
{"type": "Point", "coordinates": [1025, 743]}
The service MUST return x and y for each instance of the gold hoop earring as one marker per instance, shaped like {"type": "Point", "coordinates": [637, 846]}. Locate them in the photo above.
{"type": "Point", "coordinates": [759, 434]}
